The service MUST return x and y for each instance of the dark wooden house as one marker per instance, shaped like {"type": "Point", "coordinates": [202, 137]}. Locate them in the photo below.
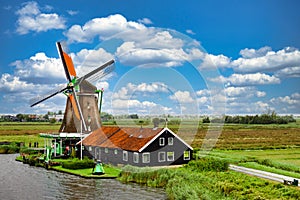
{"type": "Point", "coordinates": [137, 146]}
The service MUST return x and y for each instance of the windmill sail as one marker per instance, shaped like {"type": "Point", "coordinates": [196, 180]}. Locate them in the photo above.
{"type": "Point", "coordinates": [82, 103]}
{"type": "Point", "coordinates": [39, 99]}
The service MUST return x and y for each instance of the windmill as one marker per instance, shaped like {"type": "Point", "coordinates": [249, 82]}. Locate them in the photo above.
{"type": "Point", "coordinates": [81, 112]}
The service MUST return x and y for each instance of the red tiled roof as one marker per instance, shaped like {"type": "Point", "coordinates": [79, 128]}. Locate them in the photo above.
{"type": "Point", "coordinates": [131, 139]}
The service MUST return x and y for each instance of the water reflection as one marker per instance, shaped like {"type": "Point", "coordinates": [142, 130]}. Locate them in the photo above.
{"type": "Point", "coordinates": [20, 181]}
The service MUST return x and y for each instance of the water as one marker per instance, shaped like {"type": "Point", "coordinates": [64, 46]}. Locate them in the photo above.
{"type": "Point", "coordinates": [21, 181]}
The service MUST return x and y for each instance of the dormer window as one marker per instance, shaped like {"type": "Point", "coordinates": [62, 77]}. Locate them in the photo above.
{"type": "Point", "coordinates": [161, 141]}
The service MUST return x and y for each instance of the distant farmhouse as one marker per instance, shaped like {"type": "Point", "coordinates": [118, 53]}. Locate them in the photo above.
{"type": "Point", "coordinates": [137, 146]}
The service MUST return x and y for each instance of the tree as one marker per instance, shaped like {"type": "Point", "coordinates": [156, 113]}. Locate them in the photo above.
{"type": "Point", "coordinates": [155, 122]}
{"type": "Point", "coordinates": [206, 120]}
{"type": "Point", "coordinates": [52, 121]}
{"type": "Point", "coordinates": [20, 117]}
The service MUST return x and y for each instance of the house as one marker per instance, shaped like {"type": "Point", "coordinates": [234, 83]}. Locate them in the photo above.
{"type": "Point", "coordinates": [136, 146]}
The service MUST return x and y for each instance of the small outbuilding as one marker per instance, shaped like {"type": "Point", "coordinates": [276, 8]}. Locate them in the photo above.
{"type": "Point", "coordinates": [137, 146]}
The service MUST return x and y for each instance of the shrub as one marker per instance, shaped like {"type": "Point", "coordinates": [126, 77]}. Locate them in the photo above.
{"type": "Point", "coordinates": [208, 164]}
{"type": "Point", "coordinates": [11, 148]}
{"type": "Point", "coordinates": [78, 164]}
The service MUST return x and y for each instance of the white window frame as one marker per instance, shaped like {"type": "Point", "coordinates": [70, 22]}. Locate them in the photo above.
{"type": "Point", "coordinates": [116, 151]}
{"type": "Point", "coordinates": [145, 155]}
{"type": "Point", "coordinates": [164, 156]}
{"type": "Point", "coordinates": [173, 155]}
{"type": "Point", "coordinates": [170, 141]}
{"type": "Point", "coordinates": [125, 156]}
{"type": "Point", "coordinates": [106, 150]}
{"type": "Point", "coordinates": [136, 157]}
{"type": "Point", "coordinates": [161, 141]}
{"type": "Point", "coordinates": [186, 158]}
{"type": "Point", "coordinates": [90, 148]}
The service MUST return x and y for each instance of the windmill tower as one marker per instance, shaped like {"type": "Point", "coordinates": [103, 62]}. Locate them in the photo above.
{"type": "Point", "coordinates": [81, 112]}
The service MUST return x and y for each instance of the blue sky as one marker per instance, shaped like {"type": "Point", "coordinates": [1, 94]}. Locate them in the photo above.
{"type": "Point", "coordinates": [172, 57]}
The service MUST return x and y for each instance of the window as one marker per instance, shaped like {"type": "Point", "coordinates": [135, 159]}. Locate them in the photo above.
{"type": "Point", "coordinates": [116, 151]}
{"type": "Point", "coordinates": [170, 141]}
{"type": "Point", "coordinates": [146, 157]}
{"type": "Point", "coordinates": [90, 148]}
{"type": "Point", "coordinates": [125, 155]}
{"type": "Point", "coordinates": [88, 105]}
{"type": "Point", "coordinates": [89, 119]}
{"type": "Point", "coordinates": [186, 155]}
{"type": "Point", "coordinates": [161, 141]}
{"type": "Point", "coordinates": [136, 157]}
{"type": "Point", "coordinates": [161, 156]}
{"type": "Point", "coordinates": [106, 150]}
{"type": "Point", "coordinates": [170, 156]}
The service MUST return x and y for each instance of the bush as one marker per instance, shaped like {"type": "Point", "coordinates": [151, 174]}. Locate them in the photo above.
{"type": "Point", "coordinates": [208, 164]}
{"type": "Point", "coordinates": [11, 148]}
{"type": "Point", "coordinates": [78, 164]}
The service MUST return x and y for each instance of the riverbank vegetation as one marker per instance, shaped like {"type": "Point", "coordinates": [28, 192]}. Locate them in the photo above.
{"type": "Point", "coordinates": [214, 182]}
{"type": "Point", "coordinates": [75, 166]}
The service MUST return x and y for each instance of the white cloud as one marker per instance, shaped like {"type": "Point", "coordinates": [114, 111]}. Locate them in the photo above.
{"type": "Point", "coordinates": [189, 31]}
{"type": "Point", "coordinates": [182, 97]}
{"type": "Point", "coordinates": [294, 99]}
{"type": "Point", "coordinates": [30, 18]}
{"type": "Point", "coordinates": [145, 21]}
{"type": "Point", "coordinates": [292, 72]}
{"type": "Point", "coordinates": [289, 104]}
{"type": "Point", "coordinates": [245, 92]}
{"type": "Point", "coordinates": [102, 27]}
{"type": "Point", "coordinates": [72, 12]}
{"type": "Point", "coordinates": [209, 61]}
{"type": "Point", "coordinates": [266, 60]}
{"type": "Point", "coordinates": [131, 55]}
{"type": "Point", "coordinates": [127, 106]}
{"type": "Point", "coordinates": [252, 53]}
{"type": "Point", "coordinates": [127, 91]}
{"type": "Point", "coordinates": [248, 79]}
{"type": "Point", "coordinates": [87, 60]}
{"type": "Point", "coordinates": [11, 83]}
{"type": "Point", "coordinates": [39, 66]}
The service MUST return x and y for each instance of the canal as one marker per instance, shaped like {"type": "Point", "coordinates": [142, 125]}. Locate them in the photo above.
{"type": "Point", "coordinates": [21, 181]}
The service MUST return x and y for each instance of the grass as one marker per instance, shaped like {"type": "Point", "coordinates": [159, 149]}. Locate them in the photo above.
{"type": "Point", "coordinates": [110, 172]}
{"type": "Point", "coordinates": [280, 161]}
{"type": "Point", "coordinates": [185, 183]}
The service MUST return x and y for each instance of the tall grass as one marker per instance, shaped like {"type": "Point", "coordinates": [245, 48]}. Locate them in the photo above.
{"type": "Point", "coordinates": [188, 183]}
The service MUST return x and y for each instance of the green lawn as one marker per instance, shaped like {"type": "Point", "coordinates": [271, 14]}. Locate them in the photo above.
{"type": "Point", "coordinates": [110, 172]}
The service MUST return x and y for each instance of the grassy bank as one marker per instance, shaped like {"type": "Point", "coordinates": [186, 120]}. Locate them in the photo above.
{"type": "Point", "coordinates": [280, 161]}
{"type": "Point", "coordinates": [190, 182]}
{"type": "Point", "coordinates": [82, 168]}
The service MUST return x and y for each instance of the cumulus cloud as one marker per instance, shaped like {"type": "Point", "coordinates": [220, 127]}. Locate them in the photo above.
{"type": "Point", "coordinates": [182, 97]}
{"type": "Point", "coordinates": [287, 104]}
{"type": "Point", "coordinates": [102, 27]}
{"type": "Point", "coordinates": [39, 66]}
{"type": "Point", "coordinates": [247, 79]}
{"type": "Point", "coordinates": [11, 83]}
{"type": "Point", "coordinates": [30, 18]}
{"type": "Point", "coordinates": [292, 72]}
{"type": "Point", "coordinates": [127, 91]}
{"type": "Point", "coordinates": [266, 60]}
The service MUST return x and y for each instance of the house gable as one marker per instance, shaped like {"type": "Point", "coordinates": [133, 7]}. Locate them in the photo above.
{"type": "Point", "coordinates": [159, 134]}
